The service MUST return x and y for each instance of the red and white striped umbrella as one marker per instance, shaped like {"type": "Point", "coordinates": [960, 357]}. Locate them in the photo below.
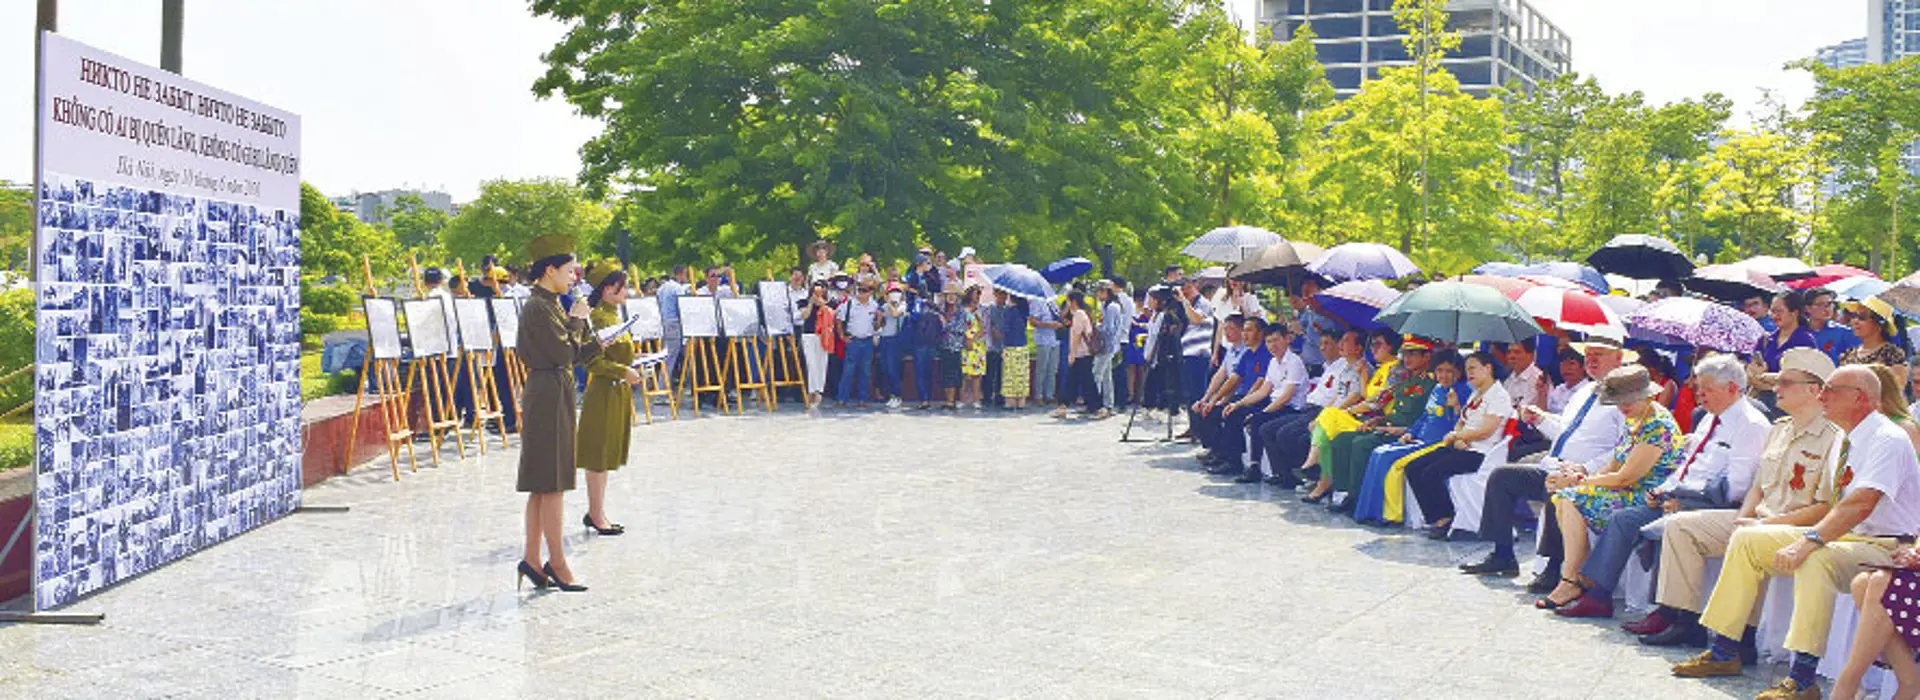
{"type": "Point", "coordinates": [1511, 287]}
{"type": "Point", "coordinates": [1572, 310]}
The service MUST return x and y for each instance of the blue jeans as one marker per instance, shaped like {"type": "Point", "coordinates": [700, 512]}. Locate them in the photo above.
{"type": "Point", "coordinates": [857, 375]}
{"type": "Point", "coordinates": [893, 349]}
{"type": "Point", "coordinates": [1617, 545]}
{"type": "Point", "coordinates": [923, 370]}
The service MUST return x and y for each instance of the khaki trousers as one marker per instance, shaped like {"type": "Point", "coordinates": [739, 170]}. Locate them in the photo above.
{"type": "Point", "coordinates": [1749, 561]}
{"type": "Point", "coordinates": [1690, 539]}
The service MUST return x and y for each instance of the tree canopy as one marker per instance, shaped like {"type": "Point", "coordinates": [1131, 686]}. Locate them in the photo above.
{"type": "Point", "coordinates": [509, 213]}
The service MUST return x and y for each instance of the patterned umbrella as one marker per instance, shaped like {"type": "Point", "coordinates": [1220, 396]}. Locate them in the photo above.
{"type": "Point", "coordinates": [1700, 323]}
{"type": "Point", "coordinates": [1641, 257]}
{"type": "Point", "coordinates": [1231, 244]}
{"type": "Point", "coordinates": [1363, 261]}
{"type": "Point", "coordinates": [1019, 280]}
{"type": "Point", "coordinates": [1904, 295]}
{"type": "Point", "coordinates": [1732, 282]}
{"type": "Point", "coordinates": [1572, 310]}
{"type": "Point", "coordinates": [1357, 302]}
{"type": "Point", "coordinates": [1458, 312]}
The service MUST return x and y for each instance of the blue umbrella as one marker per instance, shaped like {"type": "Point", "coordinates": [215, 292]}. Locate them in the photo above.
{"type": "Point", "coordinates": [1362, 261]}
{"type": "Point", "coordinates": [1066, 269]}
{"type": "Point", "coordinates": [1019, 280]}
{"type": "Point", "coordinates": [1583, 275]}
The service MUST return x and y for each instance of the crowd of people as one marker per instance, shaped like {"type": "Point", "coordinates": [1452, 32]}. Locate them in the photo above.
{"type": "Point", "coordinates": [1796, 461]}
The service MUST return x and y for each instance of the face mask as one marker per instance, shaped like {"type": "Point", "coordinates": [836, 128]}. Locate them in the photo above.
{"type": "Point", "coordinates": [893, 297]}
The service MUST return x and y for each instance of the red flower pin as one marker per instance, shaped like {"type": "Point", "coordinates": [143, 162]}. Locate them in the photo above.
{"type": "Point", "coordinates": [1799, 481]}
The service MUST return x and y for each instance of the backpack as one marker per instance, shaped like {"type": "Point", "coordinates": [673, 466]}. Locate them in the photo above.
{"type": "Point", "coordinates": [1101, 344]}
{"type": "Point", "coordinates": [928, 331]}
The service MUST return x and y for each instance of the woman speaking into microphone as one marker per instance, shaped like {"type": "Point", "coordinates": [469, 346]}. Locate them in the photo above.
{"type": "Point", "coordinates": [552, 343]}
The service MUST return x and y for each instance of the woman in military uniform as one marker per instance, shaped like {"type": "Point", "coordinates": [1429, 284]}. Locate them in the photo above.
{"type": "Point", "coordinates": [552, 342]}
{"type": "Point", "coordinates": [606, 414]}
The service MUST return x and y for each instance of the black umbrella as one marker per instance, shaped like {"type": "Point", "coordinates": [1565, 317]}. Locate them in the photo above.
{"type": "Point", "coordinates": [1641, 257]}
{"type": "Point", "coordinates": [1732, 283]}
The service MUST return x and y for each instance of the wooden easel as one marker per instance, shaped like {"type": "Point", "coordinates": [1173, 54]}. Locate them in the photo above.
{"type": "Point", "coordinates": [510, 358]}
{"type": "Point", "coordinates": [654, 382]}
{"type": "Point", "coordinates": [437, 385]}
{"type": "Point", "coordinates": [701, 362]}
{"type": "Point", "coordinates": [743, 366]}
{"type": "Point", "coordinates": [480, 383]}
{"type": "Point", "coordinates": [782, 361]}
{"type": "Point", "coordinates": [384, 375]}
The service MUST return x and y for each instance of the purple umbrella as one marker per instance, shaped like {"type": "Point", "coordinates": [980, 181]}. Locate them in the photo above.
{"type": "Point", "coordinates": [1065, 269]}
{"type": "Point", "coordinates": [1697, 322]}
{"type": "Point", "coordinates": [1362, 261]}
{"type": "Point", "coordinates": [1357, 302]}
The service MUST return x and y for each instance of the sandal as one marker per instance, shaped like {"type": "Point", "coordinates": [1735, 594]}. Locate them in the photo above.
{"type": "Point", "coordinates": [1548, 603]}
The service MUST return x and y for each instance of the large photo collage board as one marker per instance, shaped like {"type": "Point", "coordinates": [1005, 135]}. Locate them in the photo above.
{"type": "Point", "coordinates": [167, 414]}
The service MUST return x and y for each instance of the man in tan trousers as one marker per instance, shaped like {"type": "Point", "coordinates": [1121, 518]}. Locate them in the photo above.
{"type": "Point", "coordinates": [1787, 490]}
{"type": "Point", "coordinates": [1875, 491]}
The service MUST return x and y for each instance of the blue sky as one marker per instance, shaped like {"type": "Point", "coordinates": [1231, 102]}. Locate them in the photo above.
{"type": "Point", "coordinates": [437, 93]}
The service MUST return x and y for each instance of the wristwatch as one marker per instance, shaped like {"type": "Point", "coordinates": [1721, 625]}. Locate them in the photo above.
{"type": "Point", "coordinates": [1813, 535]}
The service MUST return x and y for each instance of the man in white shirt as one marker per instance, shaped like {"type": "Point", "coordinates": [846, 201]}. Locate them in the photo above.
{"type": "Point", "coordinates": [1573, 376]}
{"type": "Point", "coordinates": [1525, 382]}
{"type": "Point", "coordinates": [860, 324]}
{"type": "Point", "coordinates": [1720, 458]}
{"type": "Point", "coordinates": [1288, 441]}
{"type": "Point", "coordinates": [1876, 488]}
{"type": "Point", "coordinates": [1281, 391]}
{"type": "Point", "coordinates": [1583, 438]}
{"type": "Point", "coordinates": [1196, 344]}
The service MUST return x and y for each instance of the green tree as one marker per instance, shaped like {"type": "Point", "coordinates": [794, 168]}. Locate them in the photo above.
{"type": "Point", "coordinates": [414, 224]}
{"type": "Point", "coordinates": [334, 245]}
{"type": "Point", "coordinates": [509, 213]}
{"type": "Point", "coordinates": [1869, 114]}
{"type": "Point", "coordinates": [1750, 187]}
{"type": "Point", "coordinates": [1382, 140]}
{"type": "Point", "coordinates": [16, 224]}
{"type": "Point", "coordinates": [1679, 135]}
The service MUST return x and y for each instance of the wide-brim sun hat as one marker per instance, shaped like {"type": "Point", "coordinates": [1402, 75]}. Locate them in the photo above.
{"type": "Point", "coordinates": [1626, 385]}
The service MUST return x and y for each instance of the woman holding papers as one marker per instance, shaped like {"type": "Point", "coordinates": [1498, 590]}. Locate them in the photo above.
{"type": "Point", "coordinates": [552, 342]}
{"type": "Point", "coordinates": [606, 414]}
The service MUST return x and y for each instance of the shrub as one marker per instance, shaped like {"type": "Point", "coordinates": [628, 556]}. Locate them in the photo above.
{"type": "Point", "coordinates": [16, 445]}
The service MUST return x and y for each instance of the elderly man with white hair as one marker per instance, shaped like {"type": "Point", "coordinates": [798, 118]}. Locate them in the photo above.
{"type": "Point", "coordinates": [1720, 457]}
{"type": "Point", "coordinates": [1876, 494]}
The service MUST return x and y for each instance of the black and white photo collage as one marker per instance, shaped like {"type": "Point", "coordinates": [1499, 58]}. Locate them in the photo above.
{"type": "Point", "coordinates": [167, 410]}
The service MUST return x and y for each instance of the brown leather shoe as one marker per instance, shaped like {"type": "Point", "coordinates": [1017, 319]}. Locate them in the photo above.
{"type": "Point", "coordinates": [1703, 666]}
{"type": "Point", "coordinates": [1787, 689]}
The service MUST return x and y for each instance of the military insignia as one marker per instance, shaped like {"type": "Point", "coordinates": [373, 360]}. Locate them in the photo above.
{"type": "Point", "coordinates": [1799, 482]}
{"type": "Point", "coordinates": [1846, 476]}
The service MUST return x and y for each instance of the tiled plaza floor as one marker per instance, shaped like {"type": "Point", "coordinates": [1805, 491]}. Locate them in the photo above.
{"type": "Point", "coordinates": [848, 555]}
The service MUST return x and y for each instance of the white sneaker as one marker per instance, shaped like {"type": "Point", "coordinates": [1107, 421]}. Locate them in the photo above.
{"type": "Point", "coordinates": [893, 402]}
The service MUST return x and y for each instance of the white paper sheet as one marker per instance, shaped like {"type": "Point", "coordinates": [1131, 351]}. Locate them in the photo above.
{"type": "Point", "coordinates": [699, 317]}
{"type": "Point", "coordinates": [427, 330]}
{"type": "Point", "coordinates": [741, 317]}
{"type": "Point", "coordinates": [506, 318]}
{"type": "Point", "coordinates": [776, 306]}
{"type": "Point", "coordinates": [476, 331]}
{"type": "Point", "coordinates": [383, 327]}
{"type": "Point", "coordinates": [647, 310]}
{"type": "Point", "coordinates": [610, 332]}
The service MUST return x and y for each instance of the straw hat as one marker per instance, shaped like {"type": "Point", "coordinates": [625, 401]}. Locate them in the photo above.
{"type": "Point", "coordinates": [1627, 357]}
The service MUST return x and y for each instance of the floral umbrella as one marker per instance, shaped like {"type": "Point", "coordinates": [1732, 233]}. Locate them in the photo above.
{"type": "Point", "coordinates": [1700, 323]}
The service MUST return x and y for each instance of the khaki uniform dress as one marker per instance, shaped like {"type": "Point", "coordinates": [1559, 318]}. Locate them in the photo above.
{"type": "Point", "coordinates": [606, 413]}
{"type": "Point", "coordinates": [550, 345]}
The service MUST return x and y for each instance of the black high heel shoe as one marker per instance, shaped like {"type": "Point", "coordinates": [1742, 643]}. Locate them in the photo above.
{"type": "Point", "coordinates": [562, 585]}
{"type": "Point", "coordinates": [615, 529]}
{"type": "Point", "coordinates": [528, 573]}
{"type": "Point", "coordinates": [1324, 495]}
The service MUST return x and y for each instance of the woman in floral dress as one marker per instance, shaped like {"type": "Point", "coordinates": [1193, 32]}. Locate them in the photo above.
{"type": "Point", "coordinates": [973, 358]}
{"type": "Point", "coordinates": [1647, 453]}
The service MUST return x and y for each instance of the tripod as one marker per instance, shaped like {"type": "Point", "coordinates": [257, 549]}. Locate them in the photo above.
{"type": "Point", "coordinates": [1162, 384]}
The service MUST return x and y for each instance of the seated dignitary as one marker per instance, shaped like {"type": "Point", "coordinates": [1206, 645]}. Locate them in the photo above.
{"type": "Point", "coordinates": [1719, 459]}
{"type": "Point", "coordinates": [1483, 424]}
{"type": "Point", "coordinates": [1399, 405]}
{"type": "Point", "coordinates": [1380, 496]}
{"type": "Point", "coordinates": [1648, 452]}
{"type": "Point", "coordinates": [1226, 356]}
{"type": "Point", "coordinates": [1225, 430]}
{"type": "Point", "coordinates": [1876, 496]}
{"type": "Point", "coordinates": [1279, 393]}
{"type": "Point", "coordinates": [1787, 490]}
{"type": "Point", "coordinates": [1288, 441]}
{"type": "Point", "coordinates": [1583, 436]}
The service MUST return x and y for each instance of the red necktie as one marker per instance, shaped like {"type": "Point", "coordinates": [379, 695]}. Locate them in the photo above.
{"type": "Point", "coordinates": [1697, 448]}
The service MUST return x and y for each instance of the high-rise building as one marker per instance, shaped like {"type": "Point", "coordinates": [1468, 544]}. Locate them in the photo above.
{"type": "Point", "coordinates": [1501, 41]}
{"type": "Point", "coordinates": [1893, 30]}
{"type": "Point", "coordinates": [1846, 54]}
{"type": "Point", "coordinates": [370, 206]}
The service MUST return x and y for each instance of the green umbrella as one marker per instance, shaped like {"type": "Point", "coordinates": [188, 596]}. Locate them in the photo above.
{"type": "Point", "coordinates": [1459, 312]}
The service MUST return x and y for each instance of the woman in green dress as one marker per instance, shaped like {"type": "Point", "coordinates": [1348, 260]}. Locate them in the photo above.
{"type": "Point", "coordinates": [552, 343]}
{"type": "Point", "coordinates": [606, 413]}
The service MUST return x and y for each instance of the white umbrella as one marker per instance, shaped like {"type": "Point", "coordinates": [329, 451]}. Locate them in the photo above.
{"type": "Point", "coordinates": [1231, 244]}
